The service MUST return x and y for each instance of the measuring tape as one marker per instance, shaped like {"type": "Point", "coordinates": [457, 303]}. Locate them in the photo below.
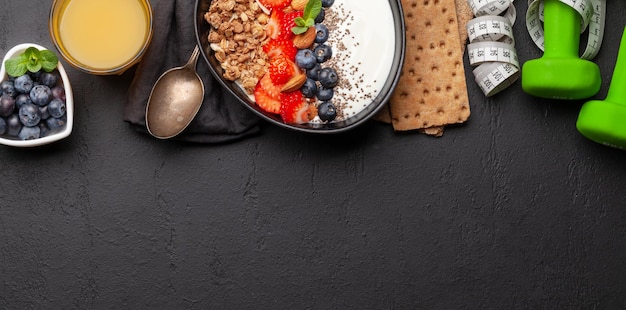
{"type": "Point", "coordinates": [592, 12]}
{"type": "Point", "coordinates": [491, 47]}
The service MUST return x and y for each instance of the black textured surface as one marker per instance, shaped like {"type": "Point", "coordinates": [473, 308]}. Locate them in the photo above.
{"type": "Point", "coordinates": [513, 210]}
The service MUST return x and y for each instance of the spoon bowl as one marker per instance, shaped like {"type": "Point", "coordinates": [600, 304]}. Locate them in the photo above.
{"type": "Point", "coordinates": [175, 99]}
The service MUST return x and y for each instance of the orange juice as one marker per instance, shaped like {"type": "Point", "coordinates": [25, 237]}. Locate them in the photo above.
{"type": "Point", "coordinates": [101, 36]}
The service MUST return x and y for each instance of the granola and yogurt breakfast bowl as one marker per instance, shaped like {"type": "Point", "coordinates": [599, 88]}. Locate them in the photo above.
{"type": "Point", "coordinates": [320, 66]}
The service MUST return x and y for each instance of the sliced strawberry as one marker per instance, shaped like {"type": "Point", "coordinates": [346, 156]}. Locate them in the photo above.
{"type": "Point", "coordinates": [288, 22]}
{"type": "Point", "coordinates": [269, 87]}
{"type": "Point", "coordinates": [265, 101]}
{"type": "Point", "coordinates": [275, 47]}
{"type": "Point", "coordinates": [291, 17]}
{"type": "Point", "coordinates": [281, 69]}
{"type": "Point", "coordinates": [294, 109]}
{"type": "Point", "coordinates": [280, 24]}
{"type": "Point", "coordinates": [273, 24]}
{"type": "Point", "coordinates": [275, 4]}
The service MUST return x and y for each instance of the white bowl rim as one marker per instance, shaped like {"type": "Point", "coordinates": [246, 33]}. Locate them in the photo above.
{"type": "Point", "coordinates": [69, 101]}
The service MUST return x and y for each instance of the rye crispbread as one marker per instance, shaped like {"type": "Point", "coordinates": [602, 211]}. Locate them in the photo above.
{"type": "Point", "coordinates": [431, 92]}
{"type": "Point", "coordinates": [463, 15]}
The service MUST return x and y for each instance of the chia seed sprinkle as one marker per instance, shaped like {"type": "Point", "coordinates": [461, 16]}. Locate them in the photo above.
{"type": "Point", "coordinates": [351, 88]}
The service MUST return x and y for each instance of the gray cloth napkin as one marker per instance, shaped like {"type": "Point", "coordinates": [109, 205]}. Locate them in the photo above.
{"type": "Point", "coordinates": [221, 118]}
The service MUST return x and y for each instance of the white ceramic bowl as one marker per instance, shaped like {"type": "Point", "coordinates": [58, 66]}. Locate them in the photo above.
{"type": "Point", "coordinates": [69, 103]}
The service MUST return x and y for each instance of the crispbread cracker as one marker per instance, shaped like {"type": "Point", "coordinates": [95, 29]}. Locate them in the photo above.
{"type": "Point", "coordinates": [463, 15]}
{"type": "Point", "coordinates": [431, 91]}
{"type": "Point", "coordinates": [433, 131]}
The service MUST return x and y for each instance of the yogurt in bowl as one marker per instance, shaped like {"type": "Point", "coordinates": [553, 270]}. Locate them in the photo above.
{"type": "Point", "coordinates": [367, 42]}
{"type": "Point", "coordinates": [363, 53]}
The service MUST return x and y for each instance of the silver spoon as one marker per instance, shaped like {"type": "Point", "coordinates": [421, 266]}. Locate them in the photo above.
{"type": "Point", "coordinates": [175, 99]}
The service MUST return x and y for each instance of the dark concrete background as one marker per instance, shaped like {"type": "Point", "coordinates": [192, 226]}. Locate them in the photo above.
{"type": "Point", "coordinates": [513, 210]}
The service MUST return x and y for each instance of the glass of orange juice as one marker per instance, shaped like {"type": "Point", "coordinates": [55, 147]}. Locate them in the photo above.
{"type": "Point", "coordinates": [101, 37]}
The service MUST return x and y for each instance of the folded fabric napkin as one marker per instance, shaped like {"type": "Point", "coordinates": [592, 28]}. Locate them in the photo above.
{"type": "Point", "coordinates": [221, 118]}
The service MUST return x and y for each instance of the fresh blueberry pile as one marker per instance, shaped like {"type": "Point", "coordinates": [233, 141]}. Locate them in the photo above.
{"type": "Point", "coordinates": [32, 105]}
{"type": "Point", "coordinates": [321, 80]}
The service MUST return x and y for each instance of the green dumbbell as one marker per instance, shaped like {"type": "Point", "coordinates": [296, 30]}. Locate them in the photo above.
{"type": "Point", "coordinates": [560, 73]}
{"type": "Point", "coordinates": [604, 121]}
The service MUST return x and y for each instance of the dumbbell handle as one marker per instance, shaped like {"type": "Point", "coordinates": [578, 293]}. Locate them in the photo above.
{"type": "Point", "coordinates": [561, 30]}
{"type": "Point", "coordinates": [617, 88]}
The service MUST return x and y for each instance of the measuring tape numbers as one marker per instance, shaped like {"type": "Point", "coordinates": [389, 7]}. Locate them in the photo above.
{"type": "Point", "coordinates": [491, 47]}
{"type": "Point", "coordinates": [592, 12]}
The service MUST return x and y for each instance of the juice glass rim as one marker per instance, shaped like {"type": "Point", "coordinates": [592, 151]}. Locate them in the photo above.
{"type": "Point", "coordinates": [56, 40]}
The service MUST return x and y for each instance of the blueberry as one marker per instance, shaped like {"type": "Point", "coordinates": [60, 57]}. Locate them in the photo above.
{"type": "Point", "coordinates": [323, 53]}
{"type": "Point", "coordinates": [58, 92]}
{"type": "Point", "coordinates": [43, 129]}
{"type": "Point", "coordinates": [328, 77]}
{"type": "Point", "coordinates": [321, 33]}
{"type": "Point", "coordinates": [305, 59]}
{"type": "Point", "coordinates": [56, 123]}
{"type": "Point", "coordinates": [7, 105]}
{"type": "Point", "coordinates": [3, 126]}
{"type": "Point", "coordinates": [56, 108]}
{"type": "Point", "coordinates": [326, 111]}
{"type": "Point", "coordinates": [8, 88]}
{"type": "Point", "coordinates": [327, 3]}
{"type": "Point", "coordinates": [44, 112]}
{"type": "Point", "coordinates": [320, 17]}
{"type": "Point", "coordinates": [35, 76]}
{"type": "Point", "coordinates": [13, 125]}
{"type": "Point", "coordinates": [325, 94]}
{"type": "Point", "coordinates": [29, 115]}
{"type": "Point", "coordinates": [48, 78]}
{"type": "Point", "coordinates": [309, 89]}
{"type": "Point", "coordinates": [40, 95]}
{"type": "Point", "coordinates": [21, 100]}
{"type": "Point", "coordinates": [29, 133]}
{"type": "Point", "coordinates": [23, 84]}
{"type": "Point", "coordinates": [314, 73]}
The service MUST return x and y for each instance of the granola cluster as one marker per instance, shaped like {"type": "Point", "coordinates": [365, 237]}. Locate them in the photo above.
{"type": "Point", "coordinates": [237, 35]}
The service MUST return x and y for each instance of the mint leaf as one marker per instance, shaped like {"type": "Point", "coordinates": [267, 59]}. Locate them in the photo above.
{"type": "Point", "coordinates": [31, 60]}
{"type": "Point", "coordinates": [33, 55]}
{"type": "Point", "coordinates": [299, 30]}
{"type": "Point", "coordinates": [16, 66]}
{"type": "Point", "coordinates": [33, 66]}
{"type": "Point", "coordinates": [49, 60]}
{"type": "Point", "coordinates": [312, 9]}
{"type": "Point", "coordinates": [300, 22]}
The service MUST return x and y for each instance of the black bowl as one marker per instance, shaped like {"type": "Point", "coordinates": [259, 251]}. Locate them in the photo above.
{"type": "Point", "coordinates": [202, 30]}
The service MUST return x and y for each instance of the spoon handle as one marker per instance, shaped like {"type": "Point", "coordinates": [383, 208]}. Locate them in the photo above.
{"type": "Point", "coordinates": [193, 60]}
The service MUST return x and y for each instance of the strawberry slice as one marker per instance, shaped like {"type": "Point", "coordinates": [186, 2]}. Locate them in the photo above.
{"type": "Point", "coordinates": [275, 4]}
{"type": "Point", "coordinates": [273, 24]}
{"type": "Point", "coordinates": [294, 109]}
{"type": "Point", "coordinates": [265, 101]}
{"type": "Point", "coordinates": [271, 89]}
{"type": "Point", "coordinates": [276, 47]}
{"type": "Point", "coordinates": [281, 69]}
{"type": "Point", "coordinates": [287, 23]}
{"type": "Point", "coordinates": [280, 23]}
